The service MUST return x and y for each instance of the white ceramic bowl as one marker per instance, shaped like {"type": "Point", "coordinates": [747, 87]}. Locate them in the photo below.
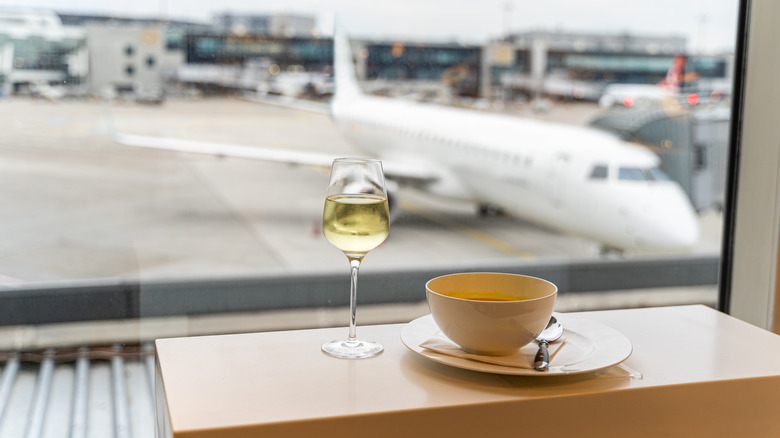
{"type": "Point", "coordinates": [489, 327]}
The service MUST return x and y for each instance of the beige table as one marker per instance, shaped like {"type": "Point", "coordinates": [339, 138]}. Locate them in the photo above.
{"type": "Point", "coordinates": [703, 374]}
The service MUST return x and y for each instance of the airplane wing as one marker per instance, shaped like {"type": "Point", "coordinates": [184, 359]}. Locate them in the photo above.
{"type": "Point", "coordinates": [291, 103]}
{"type": "Point", "coordinates": [400, 171]}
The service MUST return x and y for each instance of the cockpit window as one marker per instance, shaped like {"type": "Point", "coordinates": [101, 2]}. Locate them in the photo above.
{"type": "Point", "coordinates": [631, 174]}
{"type": "Point", "coordinates": [657, 174]}
{"type": "Point", "coordinates": [599, 172]}
{"type": "Point", "coordinates": [639, 174]}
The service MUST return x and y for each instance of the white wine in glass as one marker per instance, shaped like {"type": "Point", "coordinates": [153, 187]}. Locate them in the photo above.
{"type": "Point", "coordinates": [356, 219]}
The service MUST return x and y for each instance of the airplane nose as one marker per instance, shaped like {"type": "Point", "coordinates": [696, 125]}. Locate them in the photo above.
{"type": "Point", "coordinates": [682, 233]}
{"type": "Point", "coordinates": [676, 225]}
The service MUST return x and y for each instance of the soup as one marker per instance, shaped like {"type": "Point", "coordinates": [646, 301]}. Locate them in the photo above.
{"type": "Point", "coordinates": [484, 296]}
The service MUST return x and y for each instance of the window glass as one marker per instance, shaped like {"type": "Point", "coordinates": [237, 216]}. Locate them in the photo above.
{"type": "Point", "coordinates": [599, 172]}
{"type": "Point", "coordinates": [631, 174]}
{"type": "Point", "coordinates": [657, 174]}
{"type": "Point", "coordinates": [130, 151]}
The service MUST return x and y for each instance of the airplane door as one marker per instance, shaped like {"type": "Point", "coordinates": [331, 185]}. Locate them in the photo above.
{"type": "Point", "coordinates": [558, 174]}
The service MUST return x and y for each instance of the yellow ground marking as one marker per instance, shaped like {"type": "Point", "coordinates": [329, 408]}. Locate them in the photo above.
{"type": "Point", "coordinates": [473, 233]}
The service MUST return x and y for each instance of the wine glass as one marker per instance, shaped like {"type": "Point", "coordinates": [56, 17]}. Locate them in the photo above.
{"type": "Point", "coordinates": [355, 220]}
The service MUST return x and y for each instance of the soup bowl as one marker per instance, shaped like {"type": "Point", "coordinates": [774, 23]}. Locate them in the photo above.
{"type": "Point", "coordinates": [490, 313]}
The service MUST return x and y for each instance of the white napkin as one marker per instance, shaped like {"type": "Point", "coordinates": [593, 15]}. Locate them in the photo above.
{"type": "Point", "coordinates": [524, 358]}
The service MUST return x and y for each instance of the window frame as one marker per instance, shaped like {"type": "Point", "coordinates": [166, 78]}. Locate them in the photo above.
{"type": "Point", "coordinates": [750, 244]}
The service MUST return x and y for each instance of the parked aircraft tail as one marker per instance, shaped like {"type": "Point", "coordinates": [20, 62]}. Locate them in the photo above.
{"type": "Point", "coordinates": [344, 78]}
{"type": "Point", "coordinates": [675, 73]}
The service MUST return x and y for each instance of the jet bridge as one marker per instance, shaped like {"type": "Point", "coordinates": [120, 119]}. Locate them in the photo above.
{"type": "Point", "coordinates": [693, 144]}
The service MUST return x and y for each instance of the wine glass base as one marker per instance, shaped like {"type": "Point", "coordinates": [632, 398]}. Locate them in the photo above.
{"type": "Point", "coordinates": [352, 349]}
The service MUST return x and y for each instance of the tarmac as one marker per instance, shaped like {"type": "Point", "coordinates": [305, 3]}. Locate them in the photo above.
{"type": "Point", "coordinates": [77, 205]}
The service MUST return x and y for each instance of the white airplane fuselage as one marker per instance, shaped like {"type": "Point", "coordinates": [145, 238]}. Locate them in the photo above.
{"type": "Point", "coordinates": [538, 171]}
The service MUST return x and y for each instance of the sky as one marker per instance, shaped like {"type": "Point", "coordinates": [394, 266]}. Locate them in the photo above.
{"type": "Point", "coordinates": [708, 25]}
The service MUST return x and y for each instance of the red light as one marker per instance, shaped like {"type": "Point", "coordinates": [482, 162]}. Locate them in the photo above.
{"type": "Point", "coordinates": [692, 99]}
{"type": "Point", "coordinates": [628, 101]}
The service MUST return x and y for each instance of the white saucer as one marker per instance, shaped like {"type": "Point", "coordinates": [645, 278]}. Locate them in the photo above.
{"type": "Point", "coordinates": [590, 346]}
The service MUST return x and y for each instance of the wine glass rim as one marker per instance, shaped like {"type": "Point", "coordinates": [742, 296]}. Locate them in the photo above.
{"type": "Point", "coordinates": [356, 160]}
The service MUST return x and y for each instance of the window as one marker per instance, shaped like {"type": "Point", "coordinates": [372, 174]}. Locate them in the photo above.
{"type": "Point", "coordinates": [222, 231]}
{"type": "Point", "coordinates": [631, 174]}
{"type": "Point", "coordinates": [700, 156]}
{"type": "Point", "coordinates": [656, 174]}
{"type": "Point", "coordinates": [98, 231]}
{"type": "Point", "coordinates": [637, 174]}
{"type": "Point", "coordinates": [599, 172]}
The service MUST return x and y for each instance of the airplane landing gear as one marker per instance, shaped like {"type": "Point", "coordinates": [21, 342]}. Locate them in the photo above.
{"type": "Point", "coordinates": [611, 251]}
{"type": "Point", "coordinates": [487, 210]}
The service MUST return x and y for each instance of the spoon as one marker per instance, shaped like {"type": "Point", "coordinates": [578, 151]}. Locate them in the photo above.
{"type": "Point", "coordinates": [551, 333]}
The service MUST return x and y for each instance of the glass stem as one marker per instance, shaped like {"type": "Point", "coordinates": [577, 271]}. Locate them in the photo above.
{"type": "Point", "coordinates": [354, 266]}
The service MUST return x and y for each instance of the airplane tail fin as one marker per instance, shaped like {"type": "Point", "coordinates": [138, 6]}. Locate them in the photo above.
{"type": "Point", "coordinates": [675, 73]}
{"type": "Point", "coordinates": [344, 75]}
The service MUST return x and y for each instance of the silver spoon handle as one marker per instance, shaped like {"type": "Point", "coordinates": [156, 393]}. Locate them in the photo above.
{"type": "Point", "coordinates": [542, 359]}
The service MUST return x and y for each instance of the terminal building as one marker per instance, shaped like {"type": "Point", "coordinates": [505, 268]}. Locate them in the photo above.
{"type": "Point", "coordinates": [579, 66]}
{"type": "Point", "coordinates": [37, 50]}
{"type": "Point", "coordinates": [53, 55]}
{"type": "Point", "coordinates": [276, 25]}
{"type": "Point", "coordinates": [385, 66]}
{"type": "Point", "coordinates": [453, 66]}
{"type": "Point", "coordinates": [128, 59]}
{"type": "Point", "coordinates": [106, 55]}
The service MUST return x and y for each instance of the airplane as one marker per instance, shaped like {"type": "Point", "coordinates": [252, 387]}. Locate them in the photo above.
{"type": "Point", "coordinates": [631, 94]}
{"type": "Point", "coordinates": [573, 179]}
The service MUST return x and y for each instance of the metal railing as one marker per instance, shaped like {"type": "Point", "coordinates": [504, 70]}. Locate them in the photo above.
{"type": "Point", "coordinates": [78, 393]}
